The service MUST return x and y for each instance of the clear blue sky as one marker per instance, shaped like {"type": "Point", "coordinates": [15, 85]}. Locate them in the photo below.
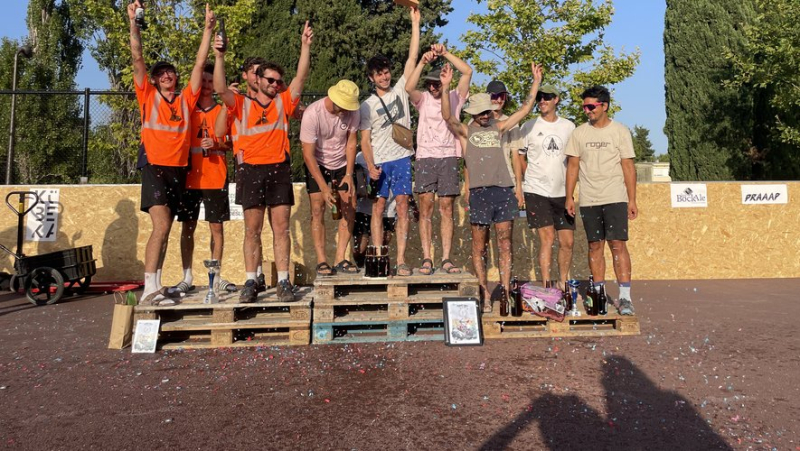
{"type": "Point", "coordinates": [636, 24]}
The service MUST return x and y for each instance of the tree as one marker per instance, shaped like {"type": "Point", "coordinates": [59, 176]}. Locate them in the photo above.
{"type": "Point", "coordinates": [48, 137]}
{"type": "Point", "coordinates": [709, 126]}
{"type": "Point", "coordinates": [346, 34]}
{"type": "Point", "coordinates": [642, 145]}
{"type": "Point", "coordinates": [565, 36]}
{"type": "Point", "coordinates": [662, 158]}
{"type": "Point", "coordinates": [768, 66]}
{"type": "Point", "coordinates": [173, 34]}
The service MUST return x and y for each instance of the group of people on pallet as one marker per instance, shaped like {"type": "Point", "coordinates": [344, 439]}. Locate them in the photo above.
{"type": "Point", "coordinates": [507, 168]}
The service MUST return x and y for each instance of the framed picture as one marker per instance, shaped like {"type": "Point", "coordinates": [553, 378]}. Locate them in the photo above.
{"type": "Point", "coordinates": [462, 322]}
{"type": "Point", "coordinates": [145, 336]}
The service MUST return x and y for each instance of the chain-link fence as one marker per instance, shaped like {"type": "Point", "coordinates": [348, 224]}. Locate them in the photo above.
{"type": "Point", "coordinates": [70, 137]}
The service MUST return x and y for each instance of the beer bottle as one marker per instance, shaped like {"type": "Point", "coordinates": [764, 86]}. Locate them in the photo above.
{"type": "Point", "coordinates": [516, 289]}
{"type": "Point", "coordinates": [567, 297]}
{"type": "Point", "coordinates": [222, 35]}
{"type": "Point", "coordinates": [588, 302]}
{"type": "Point", "coordinates": [602, 300]}
{"type": "Point", "coordinates": [370, 262]}
{"type": "Point", "coordinates": [336, 212]}
{"type": "Point", "coordinates": [139, 16]}
{"type": "Point", "coordinates": [504, 303]}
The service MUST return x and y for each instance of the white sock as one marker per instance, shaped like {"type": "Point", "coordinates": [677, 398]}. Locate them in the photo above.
{"type": "Point", "coordinates": [283, 275]}
{"type": "Point", "coordinates": [149, 283]}
{"type": "Point", "coordinates": [250, 276]}
{"type": "Point", "coordinates": [259, 270]}
{"type": "Point", "coordinates": [187, 276]}
{"type": "Point", "coordinates": [625, 292]}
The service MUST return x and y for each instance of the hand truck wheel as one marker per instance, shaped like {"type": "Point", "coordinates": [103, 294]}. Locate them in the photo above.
{"type": "Point", "coordinates": [44, 286]}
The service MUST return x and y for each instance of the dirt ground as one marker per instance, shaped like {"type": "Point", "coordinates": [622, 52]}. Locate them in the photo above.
{"type": "Point", "coordinates": [716, 366]}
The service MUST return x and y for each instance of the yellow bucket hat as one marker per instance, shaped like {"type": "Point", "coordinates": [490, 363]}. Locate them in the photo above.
{"type": "Point", "coordinates": [345, 95]}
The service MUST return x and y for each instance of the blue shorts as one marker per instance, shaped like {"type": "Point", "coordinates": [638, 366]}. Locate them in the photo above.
{"type": "Point", "coordinates": [492, 204]}
{"type": "Point", "coordinates": [395, 177]}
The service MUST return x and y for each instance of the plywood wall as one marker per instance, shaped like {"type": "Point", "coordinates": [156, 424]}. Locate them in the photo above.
{"type": "Point", "coordinates": [725, 240]}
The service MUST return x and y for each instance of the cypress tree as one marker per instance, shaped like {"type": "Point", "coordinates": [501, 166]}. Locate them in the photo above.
{"type": "Point", "coordinates": [709, 127]}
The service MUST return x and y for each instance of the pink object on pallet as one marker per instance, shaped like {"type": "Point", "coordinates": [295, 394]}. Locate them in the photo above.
{"type": "Point", "coordinates": [544, 302]}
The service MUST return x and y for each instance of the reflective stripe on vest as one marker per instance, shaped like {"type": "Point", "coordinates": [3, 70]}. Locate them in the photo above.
{"type": "Point", "coordinates": [152, 121]}
{"type": "Point", "coordinates": [246, 130]}
{"type": "Point", "coordinates": [199, 150]}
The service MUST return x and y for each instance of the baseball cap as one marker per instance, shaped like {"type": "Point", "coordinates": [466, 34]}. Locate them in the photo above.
{"type": "Point", "coordinates": [496, 87]}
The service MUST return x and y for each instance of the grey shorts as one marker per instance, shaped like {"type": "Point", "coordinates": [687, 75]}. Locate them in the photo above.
{"type": "Point", "coordinates": [492, 204]}
{"type": "Point", "coordinates": [547, 211]}
{"type": "Point", "coordinates": [606, 222]}
{"type": "Point", "coordinates": [437, 175]}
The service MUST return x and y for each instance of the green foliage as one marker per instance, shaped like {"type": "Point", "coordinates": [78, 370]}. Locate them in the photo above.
{"type": "Point", "coordinates": [662, 158]}
{"type": "Point", "coordinates": [768, 64]}
{"type": "Point", "coordinates": [565, 36]}
{"type": "Point", "coordinates": [48, 135]}
{"type": "Point", "coordinates": [709, 126]}
{"type": "Point", "coordinates": [642, 145]}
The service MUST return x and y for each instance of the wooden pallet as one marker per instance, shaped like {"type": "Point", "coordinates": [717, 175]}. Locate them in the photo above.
{"type": "Point", "coordinates": [378, 331]}
{"type": "Point", "coordinates": [343, 287]}
{"type": "Point", "coordinates": [530, 325]}
{"type": "Point", "coordinates": [193, 324]}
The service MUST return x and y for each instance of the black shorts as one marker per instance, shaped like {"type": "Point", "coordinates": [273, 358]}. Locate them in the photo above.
{"type": "Point", "coordinates": [215, 202]}
{"type": "Point", "coordinates": [363, 222]}
{"type": "Point", "coordinates": [606, 222]}
{"type": "Point", "coordinates": [162, 185]}
{"type": "Point", "coordinates": [237, 199]}
{"type": "Point", "coordinates": [266, 185]}
{"type": "Point", "coordinates": [329, 175]}
{"type": "Point", "coordinates": [492, 204]}
{"type": "Point", "coordinates": [547, 211]}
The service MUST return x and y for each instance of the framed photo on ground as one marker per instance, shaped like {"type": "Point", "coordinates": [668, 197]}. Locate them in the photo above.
{"type": "Point", "coordinates": [145, 336]}
{"type": "Point", "coordinates": [462, 322]}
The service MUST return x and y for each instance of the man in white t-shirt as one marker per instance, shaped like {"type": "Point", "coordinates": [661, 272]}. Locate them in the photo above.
{"type": "Point", "coordinates": [328, 133]}
{"type": "Point", "coordinates": [438, 153]}
{"type": "Point", "coordinates": [543, 163]}
{"type": "Point", "coordinates": [388, 161]}
{"type": "Point", "coordinates": [601, 151]}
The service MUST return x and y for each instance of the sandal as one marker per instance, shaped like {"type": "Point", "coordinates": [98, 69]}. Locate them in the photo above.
{"type": "Point", "coordinates": [325, 270]}
{"type": "Point", "coordinates": [452, 269]}
{"type": "Point", "coordinates": [427, 267]}
{"type": "Point", "coordinates": [403, 270]}
{"type": "Point", "coordinates": [230, 287]}
{"type": "Point", "coordinates": [346, 267]}
{"type": "Point", "coordinates": [166, 300]}
{"type": "Point", "coordinates": [181, 288]}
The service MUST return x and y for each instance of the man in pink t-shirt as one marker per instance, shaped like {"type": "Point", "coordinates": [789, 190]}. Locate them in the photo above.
{"type": "Point", "coordinates": [438, 153]}
{"type": "Point", "coordinates": [328, 134]}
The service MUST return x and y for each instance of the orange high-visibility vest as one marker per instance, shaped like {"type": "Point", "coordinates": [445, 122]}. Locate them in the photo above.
{"type": "Point", "coordinates": [211, 171]}
{"type": "Point", "coordinates": [165, 125]}
{"type": "Point", "coordinates": [262, 132]}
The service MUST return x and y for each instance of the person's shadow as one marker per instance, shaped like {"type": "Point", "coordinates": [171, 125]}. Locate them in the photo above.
{"type": "Point", "coordinates": [640, 416]}
{"type": "Point", "coordinates": [118, 256]}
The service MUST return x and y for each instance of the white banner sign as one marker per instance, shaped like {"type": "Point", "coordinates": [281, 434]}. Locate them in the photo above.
{"type": "Point", "coordinates": [41, 224]}
{"type": "Point", "coordinates": [764, 194]}
{"type": "Point", "coordinates": [688, 195]}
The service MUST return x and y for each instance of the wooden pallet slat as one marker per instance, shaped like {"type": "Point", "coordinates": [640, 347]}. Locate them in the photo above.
{"type": "Point", "coordinates": [367, 332]}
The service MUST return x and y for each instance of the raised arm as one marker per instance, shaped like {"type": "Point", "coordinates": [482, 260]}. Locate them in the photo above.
{"type": "Point", "coordinates": [202, 53]}
{"type": "Point", "coordinates": [413, 80]}
{"type": "Point", "coordinates": [460, 65]}
{"type": "Point", "coordinates": [139, 68]}
{"type": "Point", "coordinates": [220, 86]}
{"type": "Point", "coordinates": [453, 123]}
{"type": "Point", "coordinates": [413, 47]}
{"type": "Point", "coordinates": [527, 105]}
{"type": "Point", "coordinates": [299, 80]}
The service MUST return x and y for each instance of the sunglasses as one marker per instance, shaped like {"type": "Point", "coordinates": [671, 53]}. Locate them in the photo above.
{"type": "Point", "coordinates": [498, 96]}
{"type": "Point", "coordinates": [435, 84]}
{"type": "Point", "coordinates": [163, 72]}
{"type": "Point", "coordinates": [484, 113]}
{"type": "Point", "coordinates": [274, 81]}
{"type": "Point", "coordinates": [545, 96]}
{"type": "Point", "coordinates": [591, 106]}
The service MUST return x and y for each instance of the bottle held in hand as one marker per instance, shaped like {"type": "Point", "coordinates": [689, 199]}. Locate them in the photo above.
{"type": "Point", "coordinates": [139, 16]}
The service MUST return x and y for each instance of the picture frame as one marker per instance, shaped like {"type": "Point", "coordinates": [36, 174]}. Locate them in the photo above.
{"type": "Point", "coordinates": [145, 336]}
{"type": "Point", "coordinates": [462, 321]}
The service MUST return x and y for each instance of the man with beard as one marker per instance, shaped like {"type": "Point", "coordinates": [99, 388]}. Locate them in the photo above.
{"type": "Point", "coordinates": [490, 194]}
{"type": "Point", "coordinates": [266, 176]}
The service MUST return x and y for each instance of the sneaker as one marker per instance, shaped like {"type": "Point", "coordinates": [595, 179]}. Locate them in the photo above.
{"type": "Point", "coordinates": [249, 292]}
{"type": "Point", "coordinates": [285, 291]}
{"type": "Point", "coordinates": [261, 283]}
{"type": "Point", "coordinates": [625, 307]}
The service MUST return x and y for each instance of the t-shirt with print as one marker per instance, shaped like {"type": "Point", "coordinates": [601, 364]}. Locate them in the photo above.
{"type": "Point", "coordinates": [262, 132]}
{"type": "Point", "coordinates": [208, 172]}
{"type": "Point", "coordinates": [601, 151]}
{"type": "Point", "coordinates": [328, 132]}
{"type": "Point", "coordinates": [434, 139]}
{"type": "Point", "coordinates": [374, 118]}
{"type": "Point", "coordinates": [165, 125]}
{"type": "Point", "coordinates": [512, 143]}
{"type": "Point", "coordinates": [544, 143]}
